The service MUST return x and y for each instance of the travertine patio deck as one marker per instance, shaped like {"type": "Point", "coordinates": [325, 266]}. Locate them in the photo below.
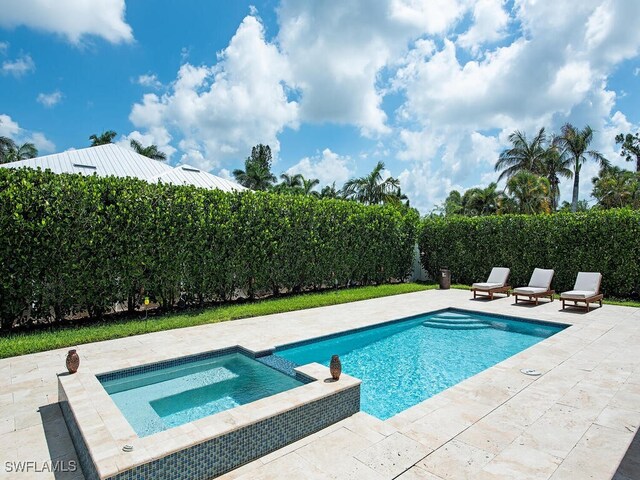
{"type": "Point", "coordinates": [575, 421]}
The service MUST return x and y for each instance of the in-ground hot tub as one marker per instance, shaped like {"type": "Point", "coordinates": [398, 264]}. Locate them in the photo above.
{"type": "Point", "coordinates": [155, 400]}
{"type": "Point", "coordinates": [197, 417]}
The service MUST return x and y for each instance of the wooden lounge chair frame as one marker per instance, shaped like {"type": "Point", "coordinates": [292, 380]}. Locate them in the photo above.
{"type": "Point", "coordinates": [586, 301]}
{"type": "Point", "coordinates": [534, 297]}
{"type": "Point", "coordinates": [490, 292]}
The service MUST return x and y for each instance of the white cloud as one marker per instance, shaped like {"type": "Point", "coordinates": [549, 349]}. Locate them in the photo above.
{"type": "Point", "coordinates": [221, 111]}
{"type": "Point", "coordinates": [49, 100]}
{"type": "Point", "coordinates": [433, 187]}
{"type": "Point", "coordinates": [43, 144]}
{"type": "Point", "coordinates": [10, 128]}
{"type": "Point", "coordinates": [4, 47]}
{"type": "Point", "coordinates": [429, 16]}
{"type": "Point", "coordinates": [74, 19]}
{"type": "Point", "coordinates": [328, 167]}
{"type": "Point", "coordinates": [149, 80]}
{"type": "Point", "coordinates": [338, 49]}
{"type": "Point", "coordinates": [490, 22]}
{"type": "Point", "coordinates": [19, 67]}
{"type": "Point", "coordinates": [224, 173]}
{"type": "Point", "coordinates": [572, 82]}
{"type": "Point", "coordinates": [158, 137]}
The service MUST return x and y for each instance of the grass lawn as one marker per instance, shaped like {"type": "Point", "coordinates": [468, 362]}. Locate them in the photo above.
{"type": "Point", "coordinates": [58, 337]}
{"type": "Point", "coordinates": [69, 335]}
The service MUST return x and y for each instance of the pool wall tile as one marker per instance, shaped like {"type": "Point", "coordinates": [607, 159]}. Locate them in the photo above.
{"type": "Point", "coordinates": [227, 452]}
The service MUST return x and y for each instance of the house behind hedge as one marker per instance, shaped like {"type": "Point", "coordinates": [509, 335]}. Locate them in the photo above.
{"type": "Point", "coordinates": [113, 160]}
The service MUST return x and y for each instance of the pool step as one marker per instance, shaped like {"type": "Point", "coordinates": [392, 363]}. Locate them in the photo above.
{"type": "Point", "coordinates": [452, 315]}
{"type": "Point", "coordinates": [456, 325]}
{"type": "Point", "coordinates": [461, 321]}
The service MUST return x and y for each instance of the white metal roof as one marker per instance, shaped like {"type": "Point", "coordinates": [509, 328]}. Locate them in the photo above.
{"type": "Point", "coordinates": [188, 175]}
{"type": "Point", "coordinates": [112, 159]}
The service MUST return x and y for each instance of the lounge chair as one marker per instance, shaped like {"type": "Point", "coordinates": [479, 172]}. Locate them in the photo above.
{"type": "Point", "coordinates": [496, 283]}
{"type": "Point", "coordinates": [586, 290]}
{"type": "Point", "coordinates": [539, 286]}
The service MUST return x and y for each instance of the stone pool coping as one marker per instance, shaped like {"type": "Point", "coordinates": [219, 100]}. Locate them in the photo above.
{"type": "Point", "coordinates": [105, 430]}
{"type": "Point", "coordinates": [575, 421]}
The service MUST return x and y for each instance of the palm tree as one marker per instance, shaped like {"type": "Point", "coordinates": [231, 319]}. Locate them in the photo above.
{"type": "Point", "coordinates": [255, 176]}
{"type": "Point", "coordinates": [308, 185]}
{"type": "Point", "coordinates": [507, 205]}
{"type": "Point", "coordinates": [530, 192]}
{"type": "Point", "coordinates": [575, 145]}
{"type": "Point", "coordinates": [289, 183]}
{"type": "Point", "coordinates": [257, 169]}
{"type": "Point", "coordinates": [11, 152]}
{"type": "Point", "coordinates": [400, 197]}
{"type": "Point", "coordinates": [583, 206]}
{"type": "Point", "coordinates": [330, 191]}
{"type": "Point", "coordinates": [452, 204]}
{"type": "Point", "coordinates": [475, 201]}
{"type": "Point", "coordinates": [151, 151]}
{"type": "Point", "coordinates": [616, 188]}
{"type": "Point", "coordinates": [630, 147]}
{"type": "Point", "coordinates": [485, 200]}
{"type": "Point", "coordinates": [102, 139]}
{"type": "Point", "coordinates": [6, 146]}
{"type": "Point", "coordinates": [372, 189]}
{"type": "Point", "coordinates": [552, 167]}
{"type": "Point", "coordinates": [524, 155]}
{"type": "Point", "coordinates": [470, 204]}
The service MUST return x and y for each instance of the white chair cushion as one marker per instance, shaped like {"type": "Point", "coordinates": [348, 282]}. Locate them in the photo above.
{"type": "Point", "coordinates": [530, 290]}
{"type": "Point", "coordinates": [578, 294]}
{"type": "Point", "coordinates": [487, 285]}
{"type": "Point", "coordinates": [498, 275]}
{"type": "Point", "coordinates": [541, 278]}
{"type": "Point", "coordinates": [588, 281]}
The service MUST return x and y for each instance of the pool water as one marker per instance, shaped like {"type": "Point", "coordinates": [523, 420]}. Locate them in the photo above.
{"type": "Point", "coordinates": [161, 399]}
{"type": "Point", "coordinates": [404, 363]}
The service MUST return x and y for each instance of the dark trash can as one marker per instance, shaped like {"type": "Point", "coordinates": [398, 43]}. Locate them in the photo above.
{"type": "Point", "coordinates": [445, 278]}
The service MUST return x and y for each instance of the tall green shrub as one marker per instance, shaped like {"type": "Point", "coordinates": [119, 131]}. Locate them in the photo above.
{"type": "Point", "coordinates": [602, 241]}
{"type": "Point", "coordinates": [74, 244]}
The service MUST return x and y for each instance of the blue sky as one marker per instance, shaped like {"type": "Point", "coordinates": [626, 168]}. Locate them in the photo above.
{"type": "Point", "coordinates": [431, 87]}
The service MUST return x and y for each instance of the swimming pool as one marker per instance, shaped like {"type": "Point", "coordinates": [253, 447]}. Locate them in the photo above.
{"type": "Point", "coordinates": [405, 362]}
{"type": "Point", "coordinates": [159, 399]}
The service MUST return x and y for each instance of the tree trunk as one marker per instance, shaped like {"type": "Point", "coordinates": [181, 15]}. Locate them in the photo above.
{"type": "Point", "coordinates": [554, 194]}
{"type": "Point", "coordinates": [638, 163]}
{"type": "Point", "coordinates": [576, 187]}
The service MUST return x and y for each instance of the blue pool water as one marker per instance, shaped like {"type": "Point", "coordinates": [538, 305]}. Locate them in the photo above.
{"type": "Point", "coordinates": [404, 363]}
{"type": "Point", "coordinates": [158, 400]}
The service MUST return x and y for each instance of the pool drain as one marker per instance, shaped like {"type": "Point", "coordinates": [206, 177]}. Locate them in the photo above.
{"type": "Point", "coordinates": [530, 371]}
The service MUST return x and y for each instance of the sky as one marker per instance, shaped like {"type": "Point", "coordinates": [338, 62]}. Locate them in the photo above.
{"type": "Point", "coordinates": [432, 88]}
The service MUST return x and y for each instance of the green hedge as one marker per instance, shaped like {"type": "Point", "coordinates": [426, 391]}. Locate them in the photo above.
{"type": "Point", "coordinates": [603, 241]}
{"type": "Point", "coordinates": [72, 244]}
